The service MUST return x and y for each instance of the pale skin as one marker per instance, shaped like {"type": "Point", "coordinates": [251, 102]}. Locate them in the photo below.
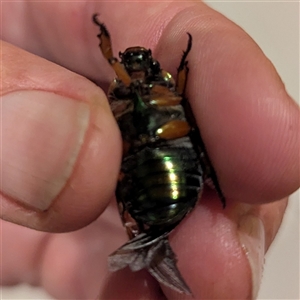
{"type": "Point", "coordinates": [230, 86]}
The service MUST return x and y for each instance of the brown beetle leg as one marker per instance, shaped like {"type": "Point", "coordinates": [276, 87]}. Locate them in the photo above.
{"type": "Point", "coordinates": [106, 48]}
{"type": "Point", "coordinates": [211, 176]}
{"type": "Point", "coordinates": [183, 69]}
{"type": "Point", "coordinates": [173, 130]}
{"type": "Point", "coordinates": [162, 96]}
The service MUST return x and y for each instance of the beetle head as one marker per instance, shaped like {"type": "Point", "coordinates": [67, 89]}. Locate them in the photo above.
{"type": "Point", "coordinates": [139, 59]}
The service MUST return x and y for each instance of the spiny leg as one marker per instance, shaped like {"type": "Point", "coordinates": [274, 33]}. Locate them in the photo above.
{"type": "Point", "coordinates": [106, 48]}
{"type": "Point", "coordinates": [210, 174]}
{"type": "Point", "coordinates": [183, 69]}
{"type": "Point", "coordinates": [209, 171]}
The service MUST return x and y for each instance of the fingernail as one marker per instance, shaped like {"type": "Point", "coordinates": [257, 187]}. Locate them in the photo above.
{"type": "Point", "coordinates": [42, 134]}
{"type": "Point", "coordinates": [252, 238]}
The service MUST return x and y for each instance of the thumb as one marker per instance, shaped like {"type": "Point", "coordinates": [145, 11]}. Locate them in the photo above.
{"type": "Point", "coordinates": [60, 145]}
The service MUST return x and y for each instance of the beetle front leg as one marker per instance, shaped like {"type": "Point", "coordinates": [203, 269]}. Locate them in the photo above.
{"type": "Point", "coordinates": [183, 69]}
{"type": "Point", "coordinates": [106, 48]}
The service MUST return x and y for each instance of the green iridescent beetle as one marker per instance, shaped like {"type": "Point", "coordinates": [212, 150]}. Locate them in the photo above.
{"type": "Point", "coordinates": [164, 164]}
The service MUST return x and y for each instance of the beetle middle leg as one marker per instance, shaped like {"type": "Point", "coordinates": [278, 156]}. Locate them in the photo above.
{"type": "Point", "coordinates": [106, 48]}
{"type": "Point", "coordinates": [209, 171]}
{"type": "Point", "coordinates": [183, 69]}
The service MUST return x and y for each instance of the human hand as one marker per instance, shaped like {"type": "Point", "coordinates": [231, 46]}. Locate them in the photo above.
{"type": "Point", "coordinates": [230, 87]}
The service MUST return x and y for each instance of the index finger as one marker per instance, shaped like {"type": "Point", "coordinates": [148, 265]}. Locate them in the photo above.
{"type": "Point", "coordinates": [249, 123]}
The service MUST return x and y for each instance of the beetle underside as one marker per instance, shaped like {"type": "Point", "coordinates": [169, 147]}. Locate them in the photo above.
{"type": "Point", "coordinates": [164, 161]}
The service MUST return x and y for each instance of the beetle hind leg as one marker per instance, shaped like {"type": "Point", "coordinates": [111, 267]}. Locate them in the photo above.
{"type": "Point", "coordinates": [183, 69]}
{"type": "Point", "coordinates": [106, 48]}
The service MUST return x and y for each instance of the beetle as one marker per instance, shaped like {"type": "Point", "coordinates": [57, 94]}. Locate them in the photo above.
{"type": "Point", "coordinates": [165, 163]}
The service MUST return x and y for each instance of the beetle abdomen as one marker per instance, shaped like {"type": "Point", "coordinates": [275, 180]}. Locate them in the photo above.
{"type": "Point", "coordinates": [165, 182]}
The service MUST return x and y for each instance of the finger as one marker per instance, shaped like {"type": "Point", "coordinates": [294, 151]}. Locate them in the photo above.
{"type": "Point", "coordinates": [60, 145]}
{"type": "Point", "coordinates": [209, 244]}
{"type": "Point", "coordinates": [220, 253]}
{"type": "Point", "coordinates": [68, 266]}
{"type": "Point", "coordinates": [126, 284]}
{"type": "Point", "coordinates": [83, 255]}
{"type": "Point", "coordinates": [248, 122]}
{"type": "Point", "coordinates": [225, 256]}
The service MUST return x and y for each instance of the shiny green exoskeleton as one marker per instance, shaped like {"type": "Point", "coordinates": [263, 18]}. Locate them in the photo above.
{"type": "Point", "coordinates": [164, 162]}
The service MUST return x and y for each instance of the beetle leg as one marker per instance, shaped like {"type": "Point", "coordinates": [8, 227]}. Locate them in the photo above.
{"type": "Point", "coordinates": [183, 69]}
{"type": "Point", "coordinates": [106, 48]}
{"type": "Point", "coordinates": [173, 130]}
{"type": "Point", "coordinates": [211, 178]}
{"type": "Point", "coordinates": [209, 171]}
{"type": "Point", "coordinates": [210, 175]}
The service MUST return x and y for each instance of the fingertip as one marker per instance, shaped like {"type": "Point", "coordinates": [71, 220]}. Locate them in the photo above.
{"type": "Point", "coordinates": [62, 147]}
{"type": "Point", "coordinates": [131, 285]}
{"type": "Point", "coordinates": [221, 252]}
{"type": "Point", "coordinates": [73, 192]}
{"type": "Point", "coordinates": [92, 184]}
{"type": "Point", "coordinates": [248, 122]}
{"type": "Point", "coordinates": [207, 251]}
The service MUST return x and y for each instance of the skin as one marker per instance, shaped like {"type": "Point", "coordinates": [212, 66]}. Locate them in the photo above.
{"type": "Point", "coordinates": [230, 86]}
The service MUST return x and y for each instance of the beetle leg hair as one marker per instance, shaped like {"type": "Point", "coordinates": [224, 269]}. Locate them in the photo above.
{"type": "Point", "coordinates": [183, 69]}
{"type": "Point", "coordinates": [106, 48]}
